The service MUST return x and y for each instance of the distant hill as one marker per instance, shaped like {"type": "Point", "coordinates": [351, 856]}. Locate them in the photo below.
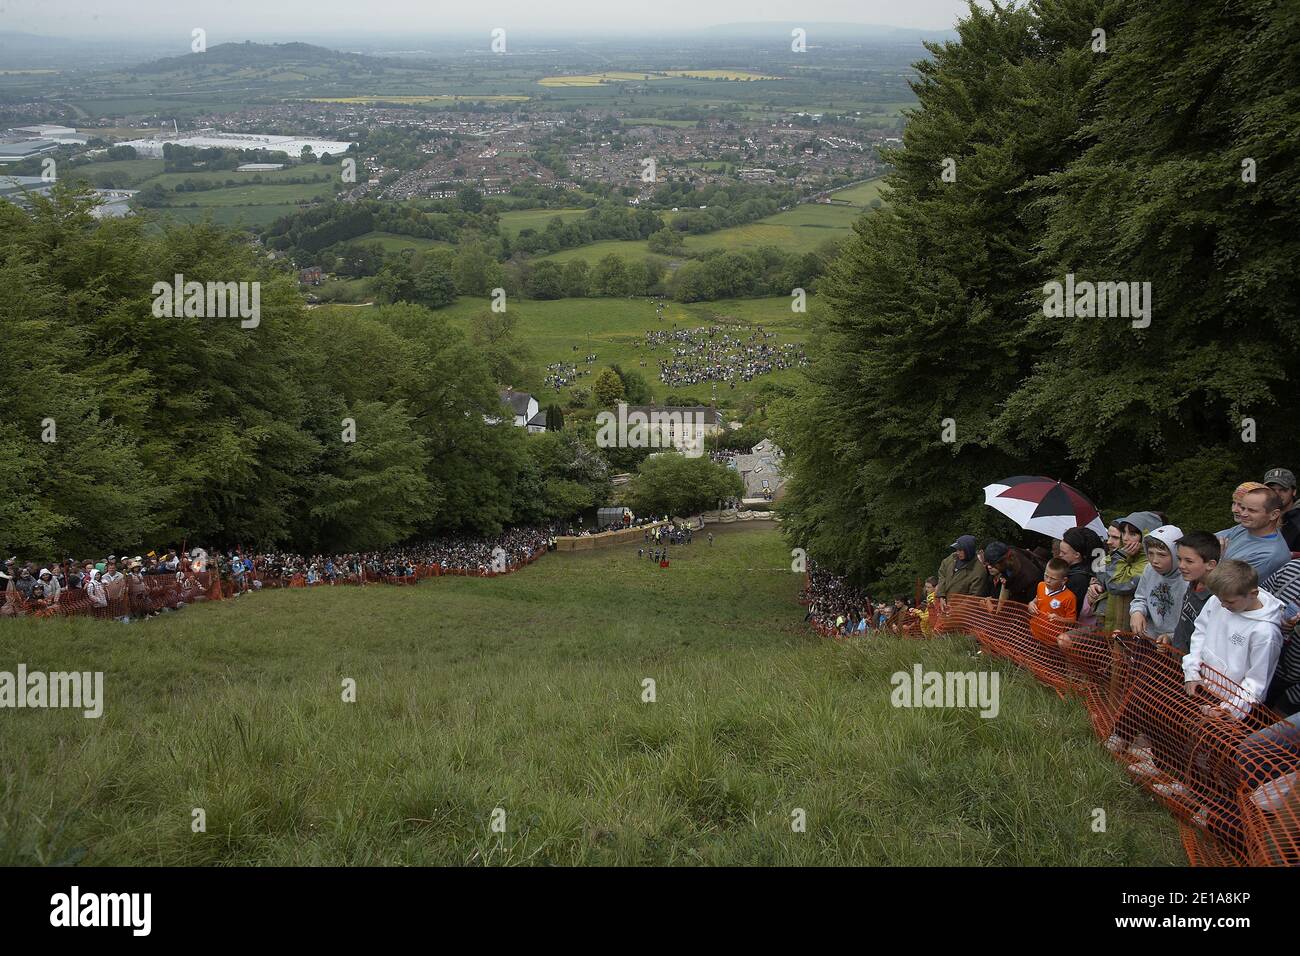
{"type": "Point", "coordinates": [262, 55]}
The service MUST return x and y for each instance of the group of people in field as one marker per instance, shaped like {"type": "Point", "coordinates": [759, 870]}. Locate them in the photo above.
{"type": "Point", "coordinates": [835, 607]}
{"type": "Point", "coordinates": [710, 354]}
{"type": "Point", "coordinates": [1225, 603]}
{"type": "Point", "coordinates": [151, 584]}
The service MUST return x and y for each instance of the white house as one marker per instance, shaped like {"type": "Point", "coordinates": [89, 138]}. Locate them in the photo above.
{"type": "Point", "coordinates": [525, 410]}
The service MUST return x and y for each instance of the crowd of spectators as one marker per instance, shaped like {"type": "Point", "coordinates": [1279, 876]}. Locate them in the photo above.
{"type": "Point", "coordinates": [1224, 604]}
{"type": "Point", "coordinates": [711, 354]}
{"type": "Point", "coordinates": [146, 585]}
{"type": "Point", "coordinates": [837, 608]}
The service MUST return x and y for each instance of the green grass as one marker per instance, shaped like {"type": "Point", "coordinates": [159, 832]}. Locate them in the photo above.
{"type": "Point", "coordinates": [245, 179]}
{"type": "Point", "coordinates": [256, 194]}
{"type": "Point", "coordinates": [138, 171]}
{"type": "Point", "coordinates": [798, 230]}
{"type": "Point", "coordinates": [862, 193]}
{"type": "Point", "coordinates": [525, 694]}
{"type": "Point", "coordinates": [393, 242]}
{"type": "Point", "coordinates": [257, 215]}
{"type": "Point", "coordinates": [517, 220]}
{"type": "Point", "coordinates": [550, 329]}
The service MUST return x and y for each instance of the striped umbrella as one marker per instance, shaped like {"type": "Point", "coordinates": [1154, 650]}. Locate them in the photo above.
{"type": "Point", "coordinates": [1043, 505]}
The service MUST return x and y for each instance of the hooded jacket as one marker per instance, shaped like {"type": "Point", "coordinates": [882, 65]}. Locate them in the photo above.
{"type": "Point", "coordinates": [962, 577]}
{"type": "Point", "coordinates": [1124, 571]}
{"type": "Point", "coordinates": [1159, 597]}
{"type": "Point", "coordinates": [1243, 647]}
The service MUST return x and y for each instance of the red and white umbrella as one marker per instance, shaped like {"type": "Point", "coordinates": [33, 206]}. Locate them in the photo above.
{"type": "Point", "coordinates": [1043, 505]}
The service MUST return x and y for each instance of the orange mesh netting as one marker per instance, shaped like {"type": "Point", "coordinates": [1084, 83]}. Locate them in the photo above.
{"type": "Point", "coordinates": [153, 592]}
{"type": "Point", "coordinates": [1213, 758]}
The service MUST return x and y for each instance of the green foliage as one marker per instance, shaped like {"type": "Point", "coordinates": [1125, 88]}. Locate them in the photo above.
{"type": "Point", "coordinates": [1123, 167]}
{"type": "Point", "coordinates": [673, 484]}
{"type": "Point", "coordinates": [174, 429]}
{"type": "Point", "coordinates": [607, 389]}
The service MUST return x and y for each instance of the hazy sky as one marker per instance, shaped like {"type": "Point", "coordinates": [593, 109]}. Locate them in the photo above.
{"type": "Point", "coordinates": [251, 18]}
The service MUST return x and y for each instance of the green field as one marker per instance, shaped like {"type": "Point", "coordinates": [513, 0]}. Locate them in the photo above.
{"type": "Point", "coordinates": [245, 203]}
{"type": "Point", "coordinates": [862, 193]}
{"type": "Point", "coordinates": [594, 251]}
{"type": "Point", "coordinates": [615, 329]}
{"type": "Point", "coordinates": [258, 215]}
{"type": "Point", "coordinates": [513, 222]}
{"type": "Point", "coordinates": [524, 696]}
{"type": "Point", "coordinates": [266, 194]}
{"type": "Point", "coordinates": [392, 242]}
{"type": "Point", "coordinates": [798, 230]}
{"type": "Point", "coordinates": [137, 171]}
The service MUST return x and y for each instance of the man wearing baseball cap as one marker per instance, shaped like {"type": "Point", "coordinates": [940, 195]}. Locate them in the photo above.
{"type": "Point", "coordinates": [1014, 570]}
{"type": "Point", "coordinates": [1282, 481]}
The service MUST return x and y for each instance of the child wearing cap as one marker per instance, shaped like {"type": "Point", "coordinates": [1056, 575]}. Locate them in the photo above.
{"type": "Point", "coordinates": [1158, 600]}
{"type": "Point", "coordinates": [1126, 567]}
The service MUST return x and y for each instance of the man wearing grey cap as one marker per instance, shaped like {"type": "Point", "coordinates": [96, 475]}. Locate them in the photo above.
{"type": "Point", "coordinates": [1283, 482]}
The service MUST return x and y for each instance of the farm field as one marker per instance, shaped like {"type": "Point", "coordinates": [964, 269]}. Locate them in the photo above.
{"type": "Point", "coordinates": [801, 229]}
{"type": "Point", "coordinates": [861, 194]}
{"type": "Point", "coordinates": [245, 216]}
{"type": "Point", "coordinates": [393, 242]}
{"type": "Point", "coordinates": [616, 331]}
{"type": "Point", "coordinates": [235, 708]}
{"type": "Point", "coordinates": [423, 100]}
{"type": "Point", "coordinates": [513, 222]}
{"type": "Point", "coordinates": [255, 199]}
{"type": "Point", "coordinates": [256, 194]}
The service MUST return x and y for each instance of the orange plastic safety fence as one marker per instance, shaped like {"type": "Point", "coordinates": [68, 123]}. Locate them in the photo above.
{"type": "Point", "coordinates": [1225, 766]}
{"type": "Point", "coordinates": [136, 599]}
{"type": "Point", "coordinates": [119, 599]}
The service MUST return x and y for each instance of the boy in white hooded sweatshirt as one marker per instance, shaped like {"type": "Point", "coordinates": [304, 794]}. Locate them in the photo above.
{"type": "Point", "coordinates": [1238, 634]}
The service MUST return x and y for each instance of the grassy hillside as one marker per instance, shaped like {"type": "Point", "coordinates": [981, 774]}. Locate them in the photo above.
{"type": "Point", "coordinates": [613, 327]}
{"type": "Point", "coordinates": [797, 230]}
{"type": "Point", "coordinates": [524, 694]}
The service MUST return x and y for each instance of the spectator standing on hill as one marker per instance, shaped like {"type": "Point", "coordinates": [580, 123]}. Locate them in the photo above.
{"type": "Point", "coordinates": [1016, 572]}
{"type": "Point", "coordinates": [1284, 692]}
{"type": "Point", "coordinates": [1095, 608]}
{"type": "Point", "coordinates": [52, 589]}
{"type": "Point", "coordinates": [1198, 555]}
{"type": "Point", "coordinates": [1158, 600]}
{"type": "Point", "coordinates": [1077, 548]}
{"type": "Point", "coordinates": [25, 582]}
{"type": "Point", "coordinates": [962, 573]}
{"type": "Point", "coordinates": [1126, 567]}
{"type": "Point", "coordinates": [1282, 481]}
{"type": "Point", "coordinates": [1256, 539]}
{"type": "Point", "coordinates": [1238, 634]}
{"type": "Point", "coordinates": [1053, 607]}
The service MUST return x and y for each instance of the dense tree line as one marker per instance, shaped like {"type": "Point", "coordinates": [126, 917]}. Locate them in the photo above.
{"type": "Point", "coordinates": [1122, 165]}
{"type": "Point", "coordinates": [304, 234]}
{"type": "Point", "coordinates": [121, 429]}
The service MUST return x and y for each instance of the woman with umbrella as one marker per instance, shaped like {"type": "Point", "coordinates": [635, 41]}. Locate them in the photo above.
{"type": "Point", "coordinates": [1054, 509]}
